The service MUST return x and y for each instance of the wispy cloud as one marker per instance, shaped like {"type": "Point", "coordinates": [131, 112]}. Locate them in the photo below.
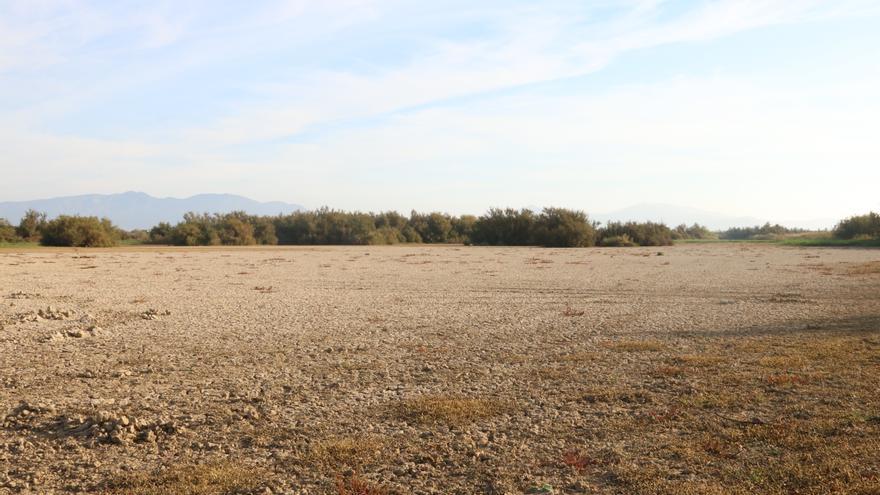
{"type": "Point", "coordinates": [317, 92]}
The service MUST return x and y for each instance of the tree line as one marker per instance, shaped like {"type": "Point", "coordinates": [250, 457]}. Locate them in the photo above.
{"type": "Point", "coordinates": [551, 227]}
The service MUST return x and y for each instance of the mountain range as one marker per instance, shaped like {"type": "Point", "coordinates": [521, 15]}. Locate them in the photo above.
{"type": "Point", "coordinates": [137, 210]}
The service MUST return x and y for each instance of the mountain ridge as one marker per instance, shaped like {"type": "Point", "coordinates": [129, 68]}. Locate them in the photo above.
{"type": "Point", "coordinates": [139, 210]}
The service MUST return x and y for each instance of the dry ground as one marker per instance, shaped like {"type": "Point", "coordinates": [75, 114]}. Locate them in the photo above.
{"type": "Point", "coordinates": [717, 368]}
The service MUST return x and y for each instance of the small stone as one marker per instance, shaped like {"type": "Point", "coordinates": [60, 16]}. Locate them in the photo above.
{"type": "Point", "coordinates": [146, 436]}
{"type": "Point", "coordinates": [75, 333]}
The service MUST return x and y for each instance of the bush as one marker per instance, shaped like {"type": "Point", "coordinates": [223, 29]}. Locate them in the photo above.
{"type": "Point", "coordinates": [264, 231]}
{"type": "Point", "coordinates": [236, 232]}
{"type": "Point", "coordinates": [860, 226]}
{"type": "Point", "coordinates": [622, 240]}
{"type": "Point", "coordinates": [76, 231]}
{"type": "Point", "coordinates": [8, 232]}
{"type": "Point", "coordinates": [136, 235]}
{"type": "Point", "coordinates": [558, 227]}
{"type": "Point", "coordinates": [642, 234]}
{"type": "Point", "coordinates": [161, 234]}
{"type": "Point", "coordinates": [695, 231]}
{"type": "Point", "coordinates": [31, 225]}
{"type": "Point", "coordinates": [758, 232]}
{"type": "Point", "coordinates": [507, 227]}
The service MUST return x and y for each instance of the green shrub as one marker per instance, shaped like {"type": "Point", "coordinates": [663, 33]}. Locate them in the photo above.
{"type": "Point", "coordinates": [462, 228]}
{"type": "Point", "coordinates": [264, 231]}
{"type": "Point", "coordinates": [860, 226]}
{"type": "Point", "coordinates": [31, 225]}
{"type": "Point", "coordinates": [643, 234]}
{"type": "Point", "coordinates": [8, 232]}
{"type": "Point", "coordinates": [758, 232]}
{"type": "Point", "coordinates": [387, 235]}
{"type": "Point", "coordinates": [76, 231]}
{"type": "Point", "coordinates": [234, 231]}
{"type": "Point", "coordinates": [695, 231]}
{"type": "Point", "coordinates": [135, 236]}
{"type": "Point", "coordinates": [507, 227]}
{"type": "Point", "coordinates": [558, 227]}
{"type": "Point", "coordinates": [161, 234]}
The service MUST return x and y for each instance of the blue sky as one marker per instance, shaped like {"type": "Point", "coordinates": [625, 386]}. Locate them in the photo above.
{"type": "Point", "coordinates": [764, 108]}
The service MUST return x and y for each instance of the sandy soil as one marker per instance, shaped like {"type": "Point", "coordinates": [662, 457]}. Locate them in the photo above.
{"type": "Point", "coordinates": [440, 370]}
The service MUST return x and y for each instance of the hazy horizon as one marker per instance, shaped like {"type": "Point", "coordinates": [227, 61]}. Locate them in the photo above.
{"type": "Point", "coordinates": [746, 108]}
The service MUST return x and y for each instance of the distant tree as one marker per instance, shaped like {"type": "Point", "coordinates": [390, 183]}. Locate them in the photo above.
{"type": "Point", "coordinates": [765, 231]}
{"type": "Point", "coordinates": [8, 232]}
{"type": "Point", "coordinates": [860, 226]}
{"type": "Point", "coordinates": [264, 231]}
{"type": "Point", "coordinates": [642, 234]}
{"type": "Point", "coordinates": [31, 224]}
{"type": "Point", "coordinates": [559, 227]}
{"type": "Point", "coordinates": [161, 234]}
{"type": "Point", "coordinates": [187, 234]}
{"type": "Point", "coordinates": [463, 228]}
{"type": "Point", "coordinates": [695, 231]}
{"type": "Point", "coordinates": [75, 231]}
{"type": "Point", "coordinates": [504, 227]}
{"type": "Point", "coordinates": [439, 228]}
{"type": "Point", "coordinates": [233, 231]}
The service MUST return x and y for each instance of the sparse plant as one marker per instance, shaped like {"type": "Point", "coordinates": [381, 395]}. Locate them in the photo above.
{"type": "Point", "coordinates": [354, 485]}
{"type": "Point", "coordinates": [569, 311]}
{"type": "Point", "coordinates": [451, 410]}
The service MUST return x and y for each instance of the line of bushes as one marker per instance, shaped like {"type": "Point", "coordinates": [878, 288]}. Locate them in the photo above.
{"type": "Point", "coordinates": [859, 227]}
{"type": "Point", "coordinates": [694, 232]}
{"type": "Point", "coordinates": [552, 227]}
{"type": "Point", "coordinates": [65, 230]}
{"type": "Point", "coordinates": [764, 232]}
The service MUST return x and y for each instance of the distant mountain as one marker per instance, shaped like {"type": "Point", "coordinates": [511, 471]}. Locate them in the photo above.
{"type": "Point", "coordinates": [137, 210]}
{"type": "Point", "coordinates": [673, 215]}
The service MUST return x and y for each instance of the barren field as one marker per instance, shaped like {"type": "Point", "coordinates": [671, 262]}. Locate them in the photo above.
{"type": "Point", "coordinates": [703, 368]}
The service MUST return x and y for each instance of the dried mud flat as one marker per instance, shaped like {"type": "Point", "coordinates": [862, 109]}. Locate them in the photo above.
{"type": "Point", "coordinates": [704, 368]}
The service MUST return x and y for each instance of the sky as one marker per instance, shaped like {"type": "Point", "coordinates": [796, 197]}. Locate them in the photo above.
{"type": "Point", "coordinates": [764, 108]}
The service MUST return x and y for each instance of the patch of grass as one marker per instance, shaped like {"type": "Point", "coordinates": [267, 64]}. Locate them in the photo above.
{"type": "Point", "coordinates": [448, 410]}
{"type": "Point", "coordinates": [352, 451]}
{"type": "Point", "coordinates": [354, 485]}
{"type": "Point", "coordinates": [829, 242]}
{"type": "Point", "coordinates": [698, 360]}
{"type": "Point", "coordinates": [636, 345]}
{"type": "Point", "coordinates": [18, 245]}
{"type": "Point", "coordinates": [783, 362]}
{"type": "Point", "coordinates": [611, 394]}
{"type": "Point", "coordinates": [670, 371]}
{"type": "Point", "coordinates": [216, 478]}
{"type": "Point", "coordinates": [869, 268]}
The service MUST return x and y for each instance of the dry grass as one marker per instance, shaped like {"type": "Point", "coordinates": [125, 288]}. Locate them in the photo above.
{"type": "Point", "coordinates": [447, 410]}
{"type": "Point", "coordinates": [612, 394]}
{"type": "Point", "coordinates": [342, 451]}
{"type": "Point", "coordinates": [354, 485]}
{"type": "Point", "coordinates": [636, 346]}
{"type": "Point", "coordinates": [216, 478]}
{"type": "Point", "coordinates": [698, 360]}
{"type": "Point", "coordinates": [869, 268]}
{"type": "Point", "coordinates": [783, 362]}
